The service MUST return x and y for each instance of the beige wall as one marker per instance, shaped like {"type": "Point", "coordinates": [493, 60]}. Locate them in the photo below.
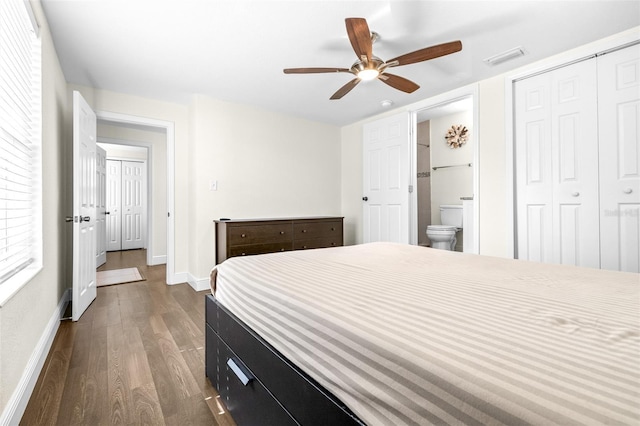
{"type": "Point", "coordinates": [24, 317]}
{"type": "Point", "coordinates": [266, 165]}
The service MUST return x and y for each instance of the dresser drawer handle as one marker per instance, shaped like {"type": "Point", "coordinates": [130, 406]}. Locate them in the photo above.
{"type": "Point", "coordinates": [281, 249]}
{"type": "Point", "coordinates": [333, 244]}
{"type": "Point", "coordinates": [281, 232]}
{"type": "Point", "coordinates": [304, 230]}
{"type": "Point", "coordinates": [243, 254]}
{"type": "Point", "coordinates": [304, 247]}
{"type": "Point", "coordinates": [333, 229]}
{"type": "Point", "coordinates": [243, 235]}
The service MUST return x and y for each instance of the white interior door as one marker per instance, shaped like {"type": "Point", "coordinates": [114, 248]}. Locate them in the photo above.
{"type": "Point", "coordinates": [557, 166]}
{"type": "Point", "coordinates": [114, 205]}
{"type": "Point", "coordinates": [386, 150]}
{"type": "Point", "coordinates": [133, 214]}
{"type": "Point", "coordinates": [619, 114]}
{"type": "Point", "coordinates": [101, 209]}
{"type": "Point", "coordinates": [84, 206]}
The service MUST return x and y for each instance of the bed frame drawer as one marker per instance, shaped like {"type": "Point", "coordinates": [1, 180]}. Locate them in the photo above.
{"type": "Point", "coordinates": [248, 402]}
{"type": "Point", "coordinates": [305, 400]}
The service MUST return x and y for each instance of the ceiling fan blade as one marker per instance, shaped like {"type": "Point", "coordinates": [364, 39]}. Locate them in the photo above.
{"type": "Point", "coordinates": [427, 53]}
{"type": "Point", "coordinates": [345, 89]}
{"type": "Point", "coordinates": [313, 70]}
{"type": "Point", "coordinates": [399, 83]}
{"type": "Point", "coordinates": [360, 37]}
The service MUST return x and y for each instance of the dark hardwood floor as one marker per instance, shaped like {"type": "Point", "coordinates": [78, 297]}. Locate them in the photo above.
{"type": "Point", "coordinates": [136, 356]}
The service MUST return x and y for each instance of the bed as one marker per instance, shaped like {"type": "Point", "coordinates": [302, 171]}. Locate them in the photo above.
{"type": "Point", "coordinates": [390, 334]}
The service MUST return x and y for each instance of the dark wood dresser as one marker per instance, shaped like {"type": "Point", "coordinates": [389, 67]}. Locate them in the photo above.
{"type": "Point", "coordinates": [241, 237]}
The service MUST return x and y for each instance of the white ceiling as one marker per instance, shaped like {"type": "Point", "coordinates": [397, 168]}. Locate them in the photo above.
{"type": "Point", "coordinates": [235, 50]}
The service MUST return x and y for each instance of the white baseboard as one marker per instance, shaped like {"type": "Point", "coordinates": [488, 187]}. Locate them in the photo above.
{"type": "Point", "coordinates": [199, 284]}
{"type": "Point", "coordinates": [20, 398]}
{"type": "Point", "coordinates": [158, 260]}
{"type": "Point", "coordinates": [178, 278]}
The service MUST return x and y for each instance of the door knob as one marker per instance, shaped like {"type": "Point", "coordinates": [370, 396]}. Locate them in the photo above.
{"type": "Point", "coordinates": [627, 190]}
{"type": "Point", "coordinates": [365, 198]}
{"type": "Point", "coordinates": [107, 212]}
{"type": "Point", "coordinates": [68, 219]}
{"type": "Point", "coordinates": [85, 219]}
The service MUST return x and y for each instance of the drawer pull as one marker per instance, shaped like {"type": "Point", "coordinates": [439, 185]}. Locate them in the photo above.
{"type": "Point", "coordinates": [333, 229]}
{"type": "Point", "coordinates": [243, 235]}
{"type": "Point", "coordinates": [244, 376]}
{"type": "Point", "coordinates": [304, 247]}
{"type": "Point", "coordinates": [333, 244]}
{"type": "Point", "coordinates": [281, 249]}
{"type": "Point", "coordinates": [243, 254]}
{"type": "Point", "coordinates": [281, 232]}
{"type": "Point", "coordinates": [304, 230]}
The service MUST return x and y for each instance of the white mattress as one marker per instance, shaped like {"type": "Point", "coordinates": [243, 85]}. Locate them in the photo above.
{"type": "Point", "coordinates": [411, 335]}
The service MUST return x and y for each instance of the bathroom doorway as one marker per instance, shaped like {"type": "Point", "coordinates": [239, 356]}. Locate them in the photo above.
{"type": "Point", "coordinates": [446, 168]}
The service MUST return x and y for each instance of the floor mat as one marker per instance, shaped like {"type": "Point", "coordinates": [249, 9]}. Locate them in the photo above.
{"type": "Point", "coordinates": [118, 276]}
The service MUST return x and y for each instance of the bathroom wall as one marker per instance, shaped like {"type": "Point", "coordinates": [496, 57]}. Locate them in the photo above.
{"type": "Point", "coordinates": [450, 183]}
{"type": "Point", "coordinates": [424, 180]}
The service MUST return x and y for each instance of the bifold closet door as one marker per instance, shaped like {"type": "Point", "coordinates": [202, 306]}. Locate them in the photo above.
{"type": "Point", "coordinates": [556, 148]}
{"type": "Point", "coordinates": [114, 205]}
{"type": "Point", "coordinates": [133, 193]}
{"type": "Point", "coordinates": [619, 118]}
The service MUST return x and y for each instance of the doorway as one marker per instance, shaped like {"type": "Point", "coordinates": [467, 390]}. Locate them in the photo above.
{"type": "Point", "coordinates": [160, 178]}
{"type": "Point", "coordinates": [443, 173]}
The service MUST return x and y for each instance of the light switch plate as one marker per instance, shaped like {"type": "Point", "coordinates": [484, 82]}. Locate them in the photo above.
{"type": "Point", "coordinates": [213, 185]}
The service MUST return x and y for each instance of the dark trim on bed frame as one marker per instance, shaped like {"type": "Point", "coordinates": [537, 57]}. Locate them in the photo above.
{"type": "Point", "coordinates": [277, 392]}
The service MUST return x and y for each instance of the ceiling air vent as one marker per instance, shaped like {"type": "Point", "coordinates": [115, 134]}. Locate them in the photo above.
{"type": "Point", "coordinates": [505, 56]}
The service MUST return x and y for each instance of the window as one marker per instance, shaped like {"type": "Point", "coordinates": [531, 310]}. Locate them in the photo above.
{"type": "Point", "coordinates": [20, 140]}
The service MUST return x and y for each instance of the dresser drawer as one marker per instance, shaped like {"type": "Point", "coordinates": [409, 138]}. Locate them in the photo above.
{"type": "Point", "coordinates": [252, 234]}
{"type": "Point", "coordinates": [317, 243]}
{"type": "Point", "coordinates": [259, 248]}
{"type": "Point", "coordinates": [320, 229]}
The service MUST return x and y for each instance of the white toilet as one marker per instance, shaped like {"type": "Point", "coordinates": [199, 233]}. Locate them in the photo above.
{"type": "Point", "coordinates": [444, 236]}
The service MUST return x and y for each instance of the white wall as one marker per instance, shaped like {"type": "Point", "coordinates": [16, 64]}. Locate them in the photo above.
{"type": "Point", "coordinates": [24, 317]}
{"type": "Point", "coordinates": [266, 165]}
{"type": "Point", "coordinates": [450, 183]}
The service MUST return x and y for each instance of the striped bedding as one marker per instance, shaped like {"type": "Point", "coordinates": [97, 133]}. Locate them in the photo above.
{"type": "Point", "coordinates": [411, 335]}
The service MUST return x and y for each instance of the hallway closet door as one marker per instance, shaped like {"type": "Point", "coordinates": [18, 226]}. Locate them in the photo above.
{"type": "Point", "coordinates": [126, 204]}
{"type": "Point", "coordinates": [619, 117]}
{"type": "Point", "coordinates": [133, 218]}
{"type": "Point", "coordinates": [557, 166]}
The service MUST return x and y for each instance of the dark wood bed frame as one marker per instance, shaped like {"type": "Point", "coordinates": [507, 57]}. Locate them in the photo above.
{"type": "Point", "coordinates": [258, 385]}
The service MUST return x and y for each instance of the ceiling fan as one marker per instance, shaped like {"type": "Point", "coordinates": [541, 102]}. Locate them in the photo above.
{"type": "Point", "coordinates": [370, 67]}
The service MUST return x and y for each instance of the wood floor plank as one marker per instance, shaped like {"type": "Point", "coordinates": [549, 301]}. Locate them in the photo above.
{"type": "Point", "coordinates": [136, 356]}
{"type": "Point", "coordinates": [120, 402]}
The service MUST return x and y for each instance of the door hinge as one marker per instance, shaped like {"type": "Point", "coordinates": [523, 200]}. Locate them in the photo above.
{"type": "Point", "coordinates": [410, 189]}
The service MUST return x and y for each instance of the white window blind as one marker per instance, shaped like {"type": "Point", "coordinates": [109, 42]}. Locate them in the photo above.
{"type": "Point", "coordinates": [20, 139]}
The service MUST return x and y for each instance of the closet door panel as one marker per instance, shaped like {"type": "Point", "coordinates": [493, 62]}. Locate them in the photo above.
{"type": "Point", "coordinates": [533, 170]}
{"type": "Point", "coordinates": [575, 164]}
{"type": "Point", "coordinates": [619, 113]}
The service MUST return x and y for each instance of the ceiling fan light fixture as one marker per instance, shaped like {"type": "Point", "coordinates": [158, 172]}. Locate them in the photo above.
{"type": "Point", "coordinates": [368, 74]}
